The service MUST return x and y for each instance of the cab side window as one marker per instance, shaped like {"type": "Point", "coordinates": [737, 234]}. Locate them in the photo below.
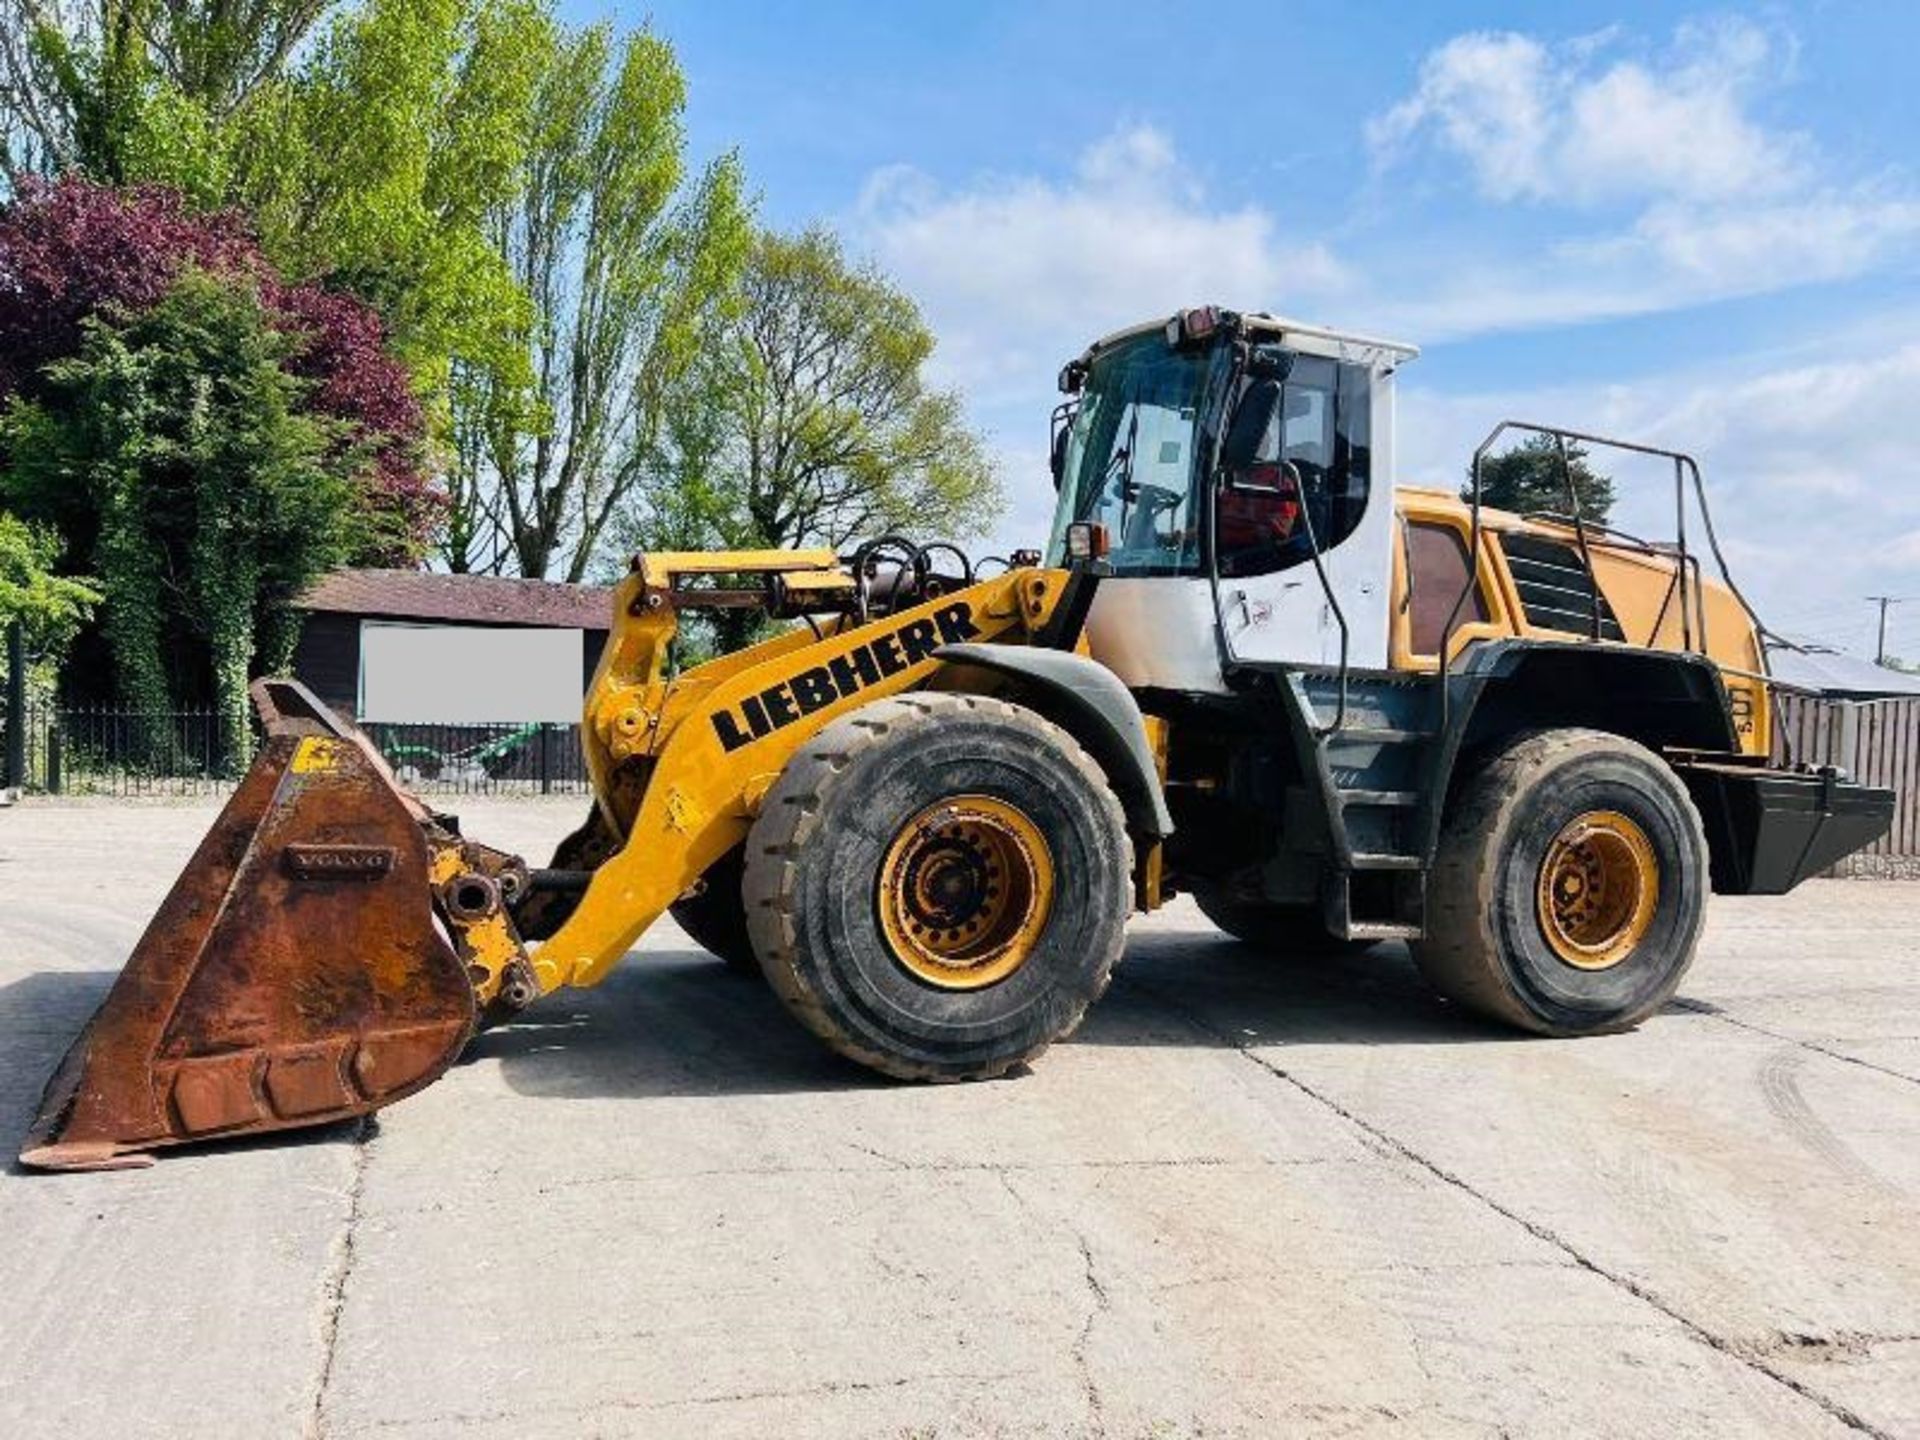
{"type": "Point", "coordinates": [1323, 433]}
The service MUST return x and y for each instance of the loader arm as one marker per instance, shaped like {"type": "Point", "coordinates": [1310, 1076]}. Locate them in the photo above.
{"type": "Point", "coordinates": [334, 943]}
{"type": "Point", "coordinates": [680, 763]}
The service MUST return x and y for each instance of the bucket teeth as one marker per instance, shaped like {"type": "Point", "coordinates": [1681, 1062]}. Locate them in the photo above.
{"type": "Point", "coordinates": [297, 973]}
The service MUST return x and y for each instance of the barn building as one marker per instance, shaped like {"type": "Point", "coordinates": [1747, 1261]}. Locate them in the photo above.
{"type": "Point", "coordinates": [408, 647]}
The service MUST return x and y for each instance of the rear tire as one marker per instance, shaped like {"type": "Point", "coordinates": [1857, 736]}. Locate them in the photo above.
{"type": "Point", "coordinates": [1278, 929]}
{"type": "Point", "coordinates": [1570, 886]}
{"type": "Point", "coordinates": [938, 886]}
{"type": "Point", "coordinates": [715, 918]}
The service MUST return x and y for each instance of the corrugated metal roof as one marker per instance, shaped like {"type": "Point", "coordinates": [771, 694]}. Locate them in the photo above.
{"type": "Point", "coordinates": [1835, 673]}
{"type": "Point", "coordinates": [461, 599]}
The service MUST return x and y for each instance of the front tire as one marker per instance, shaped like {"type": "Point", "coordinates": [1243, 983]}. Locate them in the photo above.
{"type": "Point", "coordinates": [938, 885]}
{"type": "Point", "coordinates": [1570, 886]}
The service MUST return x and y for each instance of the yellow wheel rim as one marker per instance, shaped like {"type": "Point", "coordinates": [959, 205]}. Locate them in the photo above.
{"type": "Point", "coordinates": [1599, 887]}
{"type": "Point", "coordinates": [965, 891]}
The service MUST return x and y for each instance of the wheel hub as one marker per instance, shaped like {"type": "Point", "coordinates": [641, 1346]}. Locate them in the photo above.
{"type": "Point", "coordinates": [1598, 889]}
{"type": "Point", "coordinates": [964, 892]}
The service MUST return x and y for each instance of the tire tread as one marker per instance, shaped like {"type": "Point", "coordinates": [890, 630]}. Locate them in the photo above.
{"type": "Point", "coordinates": [791, 815]}
{"type": "Point", "coordinates": [1460, 953]}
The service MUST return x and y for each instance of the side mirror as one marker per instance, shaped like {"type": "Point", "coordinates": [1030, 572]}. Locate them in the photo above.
{"type": "Point", "coordinates": [1058, 461]}
{"type": "Point", "coordinates": [1253, 417]}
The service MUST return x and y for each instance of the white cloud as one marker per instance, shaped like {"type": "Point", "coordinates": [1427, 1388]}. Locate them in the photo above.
{"type": "Point", "coordinates": [1704, 202]}
{"type": "Point", "coordinates": [1489, 97]}
{"type": "Point", "coordinates": [1670, 257]}
{"type": "Point", "coordinates": [1821, 237]}
{"type": "Point", "coordinates": [1561, 124]}
{"type": "Point", "coordinates": [1018, 273]}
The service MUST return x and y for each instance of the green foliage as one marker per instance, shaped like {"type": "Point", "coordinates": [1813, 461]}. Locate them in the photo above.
{"type": "Point", "coordinates": [378, 163]}
{"type": "Point", "coordinates": [807, 420]}
{"type": "Point", "coordinates": [372, 162]}
{"type": "Point", "coordinates": [126, 90]}
{"type": "Point", "coordinates": [176, 441]}
{"type": "Point", "coordinates": [628, 267]}
{"type": "Point", "coordinates": [1529, 478]}
{"type": "Point", "coordinates": [177, 144]}
{"type": "Point", "coordinates": [50, 608]}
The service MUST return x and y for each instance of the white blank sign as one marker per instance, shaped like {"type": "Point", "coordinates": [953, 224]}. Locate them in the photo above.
{"type": "Point", "coordinates": [468, 674]}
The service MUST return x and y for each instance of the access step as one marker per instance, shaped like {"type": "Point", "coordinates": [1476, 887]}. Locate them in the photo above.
{"type": "Point", "coordinates": [1383, 930]}
{"type": "Point", "coordinates": [1376, 735]}
{"type": "Point", "coordinates": [1398, 799]}
{"type": "Point", "coordinates": [1380, 860]}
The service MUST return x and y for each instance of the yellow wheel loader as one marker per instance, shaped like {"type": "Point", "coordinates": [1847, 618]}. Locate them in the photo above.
{"type": "Point", "coordinates": [1243, 668]}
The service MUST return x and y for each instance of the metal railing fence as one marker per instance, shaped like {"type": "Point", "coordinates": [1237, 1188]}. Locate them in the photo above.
{"type": "Point", "coordinates": [104, 750]}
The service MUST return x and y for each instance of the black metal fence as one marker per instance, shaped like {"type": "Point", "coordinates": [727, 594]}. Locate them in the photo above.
{"type": "Point", "coordinates": [532, 759]}
{"type": "Point", "coordinates": [104, 751]}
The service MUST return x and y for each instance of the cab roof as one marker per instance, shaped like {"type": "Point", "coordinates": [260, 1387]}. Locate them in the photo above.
{"type": "Point", "coordinates": [1261, 322]}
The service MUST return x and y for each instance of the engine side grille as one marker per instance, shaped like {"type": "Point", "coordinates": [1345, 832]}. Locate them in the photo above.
{"type": "Point", "coordinates": [1555, 590]}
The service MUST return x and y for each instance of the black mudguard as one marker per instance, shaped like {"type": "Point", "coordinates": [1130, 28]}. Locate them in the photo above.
{"type": "Point", "coordinates": [1090, 702]}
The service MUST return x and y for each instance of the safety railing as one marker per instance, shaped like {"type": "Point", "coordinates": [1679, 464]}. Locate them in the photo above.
{"type": "Point", "coordinates": [1685, 585]}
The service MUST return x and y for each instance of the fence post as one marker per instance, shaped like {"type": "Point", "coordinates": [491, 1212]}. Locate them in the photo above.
{"type": "Point", "coordinates": [546, 757]}
{"type": "Point", "coordinates": [54, 755]}
{"type": "Point", "coordinates": [17, 705]}
{"type": "Point", "coordinates": [1846, 748]}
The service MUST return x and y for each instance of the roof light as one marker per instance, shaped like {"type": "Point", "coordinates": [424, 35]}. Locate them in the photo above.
{"type": "Point", "coordinates": [1190, 327]}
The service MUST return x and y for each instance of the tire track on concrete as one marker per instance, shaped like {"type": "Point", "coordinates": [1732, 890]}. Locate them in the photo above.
{"type": "Point", "coordinates": [1714, 1012]}
{"type": "Point", "coordinates": [1744, 1355]}
{"type": "Point", "coordinates": [1780, 1087]}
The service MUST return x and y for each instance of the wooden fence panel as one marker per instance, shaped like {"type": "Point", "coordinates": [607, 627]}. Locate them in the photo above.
{"type": "Point", "coordinates": [1878, 742]}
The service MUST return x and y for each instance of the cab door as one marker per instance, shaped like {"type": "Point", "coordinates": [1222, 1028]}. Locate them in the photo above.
{"type": "Point", "coordinates": [1321, 478]}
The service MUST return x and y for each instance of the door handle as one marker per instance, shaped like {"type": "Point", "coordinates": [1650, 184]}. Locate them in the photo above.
{"type": "Point", "coordinates": [1252, 612]}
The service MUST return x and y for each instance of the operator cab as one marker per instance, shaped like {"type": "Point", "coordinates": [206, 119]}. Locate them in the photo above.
{"type": "Point", "coordinates": [1236, 469]}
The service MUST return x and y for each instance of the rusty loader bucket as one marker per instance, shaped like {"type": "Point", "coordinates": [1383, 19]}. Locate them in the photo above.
{"type": "Point", "coordinates": [297, 973]}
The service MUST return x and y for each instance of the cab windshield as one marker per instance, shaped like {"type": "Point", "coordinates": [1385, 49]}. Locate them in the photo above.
{"type": "Point", "coordinates": [1131, 456]}
{"type": "Point", "coordinates": [1146, 421]}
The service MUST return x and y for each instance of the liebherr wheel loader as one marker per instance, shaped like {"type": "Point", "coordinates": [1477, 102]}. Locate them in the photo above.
{"type": "Point", "coordinates": [1243, 668]}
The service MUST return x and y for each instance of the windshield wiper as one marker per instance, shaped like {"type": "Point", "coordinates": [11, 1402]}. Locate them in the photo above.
{"type": "Point", "coordinates": [1124, 457]}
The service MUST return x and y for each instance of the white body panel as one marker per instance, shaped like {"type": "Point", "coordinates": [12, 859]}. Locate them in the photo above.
{"type": "Point", "coordinates": [1157, 632]}
{"type": "Point", "coordinates": [468, 674]}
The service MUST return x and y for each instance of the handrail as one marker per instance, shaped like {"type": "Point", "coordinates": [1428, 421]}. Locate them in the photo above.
{"type": "Point", "coordinates": [1687, 577]}
{"type": "Point", "coordinates": [1326, 589]}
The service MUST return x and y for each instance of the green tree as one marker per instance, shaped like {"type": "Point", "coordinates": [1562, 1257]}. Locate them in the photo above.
{"type": "Point", "coordinates": [378, 164]}
{"type": "Point", "coordinates": [370, 157]}
{"type": "Point", "coordinates": [139, 89]}
{"type": "Point", "coordinates": [809, 420]}
{"type": "Point", "coordinates": [1529, 478]}
{"type": "Point", "coordinates": [49, 608]}
{"type": "Point", "coordinates": [629, 265]}
{"type": "Point", "coordinates": [212, 500]}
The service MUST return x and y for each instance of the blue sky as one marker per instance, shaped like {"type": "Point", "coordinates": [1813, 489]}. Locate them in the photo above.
{"type": "Point", "coordinates": [1692, 225]}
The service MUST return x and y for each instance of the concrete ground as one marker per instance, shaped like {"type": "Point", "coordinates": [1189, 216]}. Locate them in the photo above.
{"type": "Point", "coordinates": [1251, 1197]}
